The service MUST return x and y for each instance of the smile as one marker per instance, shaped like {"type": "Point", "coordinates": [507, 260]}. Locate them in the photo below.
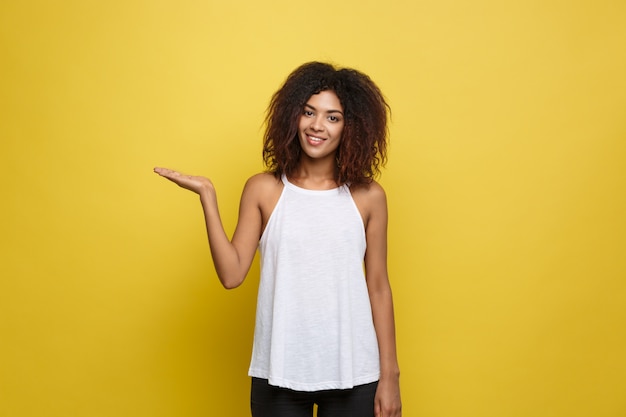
{"type": "Point", "coordinates": [314, 139]}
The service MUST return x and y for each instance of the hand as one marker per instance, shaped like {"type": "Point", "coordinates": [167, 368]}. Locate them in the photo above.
{"type": "Point", "coordinates": [387, 401]}
{"type": "Point", "coordinates": [194, 183]}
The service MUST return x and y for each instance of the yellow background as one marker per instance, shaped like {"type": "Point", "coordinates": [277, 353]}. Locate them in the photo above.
{"type": "Point", "coordinates": [506, 186]}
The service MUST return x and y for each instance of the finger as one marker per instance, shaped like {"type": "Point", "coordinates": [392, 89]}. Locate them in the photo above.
{"type": "Point", "coordinates": [160, 170]}
{"type": "Point", "coordinates": [164, 172]}
{"type": "Point", "coordinates": [170, 174]}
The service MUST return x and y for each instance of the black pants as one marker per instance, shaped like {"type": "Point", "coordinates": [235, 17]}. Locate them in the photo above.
{"type": "Point", "coordinates": [270, 401]}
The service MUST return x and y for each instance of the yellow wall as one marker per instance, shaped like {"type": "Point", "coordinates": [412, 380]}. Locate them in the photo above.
{"type": "Point", "coordinates": [506, 183]}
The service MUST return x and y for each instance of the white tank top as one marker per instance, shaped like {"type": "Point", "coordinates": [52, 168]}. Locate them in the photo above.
{"type": "Point", "coordinates": [314, 328]}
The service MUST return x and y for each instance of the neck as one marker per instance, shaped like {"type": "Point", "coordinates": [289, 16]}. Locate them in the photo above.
{"type": "Point", "coordinates": [316, 174]}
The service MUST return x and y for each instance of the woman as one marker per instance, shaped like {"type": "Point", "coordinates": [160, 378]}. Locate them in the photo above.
{"type": "Point", "coordinates": [324, 331]}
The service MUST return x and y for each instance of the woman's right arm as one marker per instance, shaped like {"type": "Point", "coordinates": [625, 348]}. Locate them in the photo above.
{"type": "Point", "coordinates": [232, 258]}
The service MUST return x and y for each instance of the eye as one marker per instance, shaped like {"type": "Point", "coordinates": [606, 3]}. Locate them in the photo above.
{"type": "Point", "coordinates": [333, 119]}
{"type": "Point", "coordinates": [308, 113]}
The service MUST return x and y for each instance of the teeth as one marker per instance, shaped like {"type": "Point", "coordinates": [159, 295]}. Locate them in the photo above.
{"type": "Point", "coordinates": [313, 138]}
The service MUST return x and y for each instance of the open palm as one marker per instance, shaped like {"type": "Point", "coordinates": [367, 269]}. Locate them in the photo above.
{"type": "Point", "coordinates": [194, 183]}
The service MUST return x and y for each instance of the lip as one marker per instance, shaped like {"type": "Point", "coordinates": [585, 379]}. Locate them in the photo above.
{"type": "Point", "coordinates": [314, 140]}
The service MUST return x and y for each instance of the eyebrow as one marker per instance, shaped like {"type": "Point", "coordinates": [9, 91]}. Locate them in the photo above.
{"type": "Point", "coordinates": [329, 111]}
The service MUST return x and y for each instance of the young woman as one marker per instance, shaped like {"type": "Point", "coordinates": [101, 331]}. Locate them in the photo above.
{"type": "Point", "coordinates": [324, 330]}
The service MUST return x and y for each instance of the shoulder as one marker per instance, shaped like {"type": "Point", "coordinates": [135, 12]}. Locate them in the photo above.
{"type": "Point", "coordinates": [262, 182]}
{"type": "Point", "coordinates": [371, 201]}
{"type": "Point", "coordinates": [371, 194]}
{"type": "Point", "coordinates": [263, 191]}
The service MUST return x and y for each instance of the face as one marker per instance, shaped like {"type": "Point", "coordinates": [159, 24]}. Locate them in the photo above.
{"type": "Point", "coordinates": [321, 125]}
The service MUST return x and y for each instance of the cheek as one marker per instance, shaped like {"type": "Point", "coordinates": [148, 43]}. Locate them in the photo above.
{"type": "Point", "coordinates": [303, 123]}
{"type": "Point", "coordinates": [339, 131]}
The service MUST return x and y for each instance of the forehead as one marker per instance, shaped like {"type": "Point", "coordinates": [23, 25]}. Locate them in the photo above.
{"type": "Point", "coordinates": [325, 100]}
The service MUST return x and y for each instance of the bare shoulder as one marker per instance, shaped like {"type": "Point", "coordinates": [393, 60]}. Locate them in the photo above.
{"type": "Point", "coordinates": [371, 201]}
{"type": "Point", "coordinates": [261, 183]}
{"type": "Point", "coordinates": [263, 190]}
{"type": "Point", "coordinates": [369, 194]}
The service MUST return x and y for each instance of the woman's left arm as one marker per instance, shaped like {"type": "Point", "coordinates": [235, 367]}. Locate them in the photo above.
{"type": "Point", "coordinates": [387, 402]}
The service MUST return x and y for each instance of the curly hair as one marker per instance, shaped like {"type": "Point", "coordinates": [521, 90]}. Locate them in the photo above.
{"type": "Point", "coordinates": [363, 147]}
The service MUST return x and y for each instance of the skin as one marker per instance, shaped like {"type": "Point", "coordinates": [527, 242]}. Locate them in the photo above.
{"type": "Point", "coordinates": [322, 118]}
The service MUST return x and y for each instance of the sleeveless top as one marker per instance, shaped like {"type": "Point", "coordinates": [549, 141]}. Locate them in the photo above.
{"type": "Point", "coordinates": [314, 328]}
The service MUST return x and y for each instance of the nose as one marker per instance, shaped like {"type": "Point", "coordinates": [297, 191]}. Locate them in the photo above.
{"type": "Point", "coordinates": [316, 124]}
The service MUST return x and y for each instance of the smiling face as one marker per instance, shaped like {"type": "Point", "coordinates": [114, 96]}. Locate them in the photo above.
{"type": "Point", "coordinates": [321, 125]}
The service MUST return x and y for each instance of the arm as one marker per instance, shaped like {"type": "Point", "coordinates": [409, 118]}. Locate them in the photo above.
{"type": "Point", "coordinates": [232, 258]}
{"type": "Point", "coordinates": [387, 402]}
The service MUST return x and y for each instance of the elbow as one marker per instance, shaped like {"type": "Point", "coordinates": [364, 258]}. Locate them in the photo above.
{"type": "Point", "coordinates": [231, 283]}
{"type": "Point", "coordinates": [230, 286]}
